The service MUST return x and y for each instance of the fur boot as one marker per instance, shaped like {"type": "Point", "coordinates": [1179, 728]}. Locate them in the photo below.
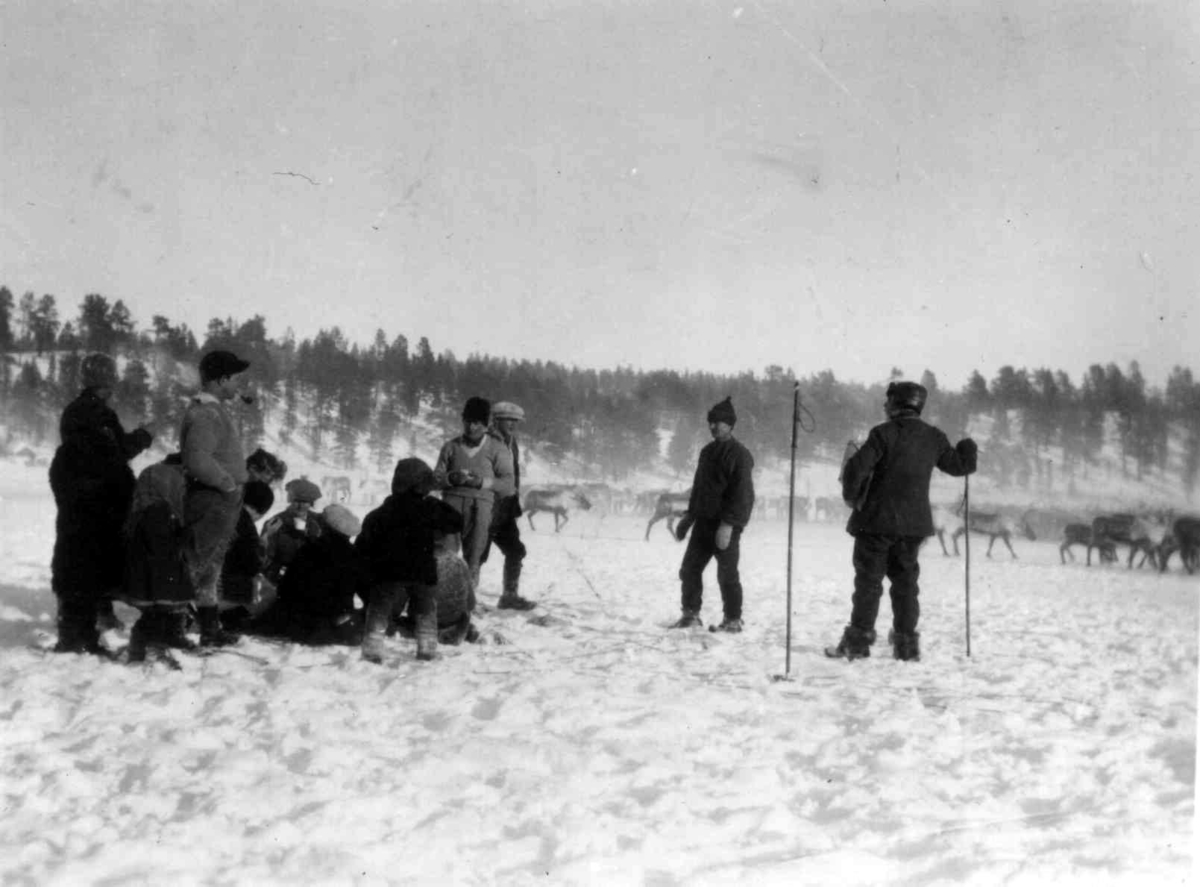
{"type": "Point", "coordinates": [509, 599]}
{"type": "Point", "coordinates": [907, 646]}
{"type": "Point", "coordinates": [427, 636]}
{"type": "Point", "coordinates": [211, 632]}
{"type": "Point", "coordinates": [855, 644]}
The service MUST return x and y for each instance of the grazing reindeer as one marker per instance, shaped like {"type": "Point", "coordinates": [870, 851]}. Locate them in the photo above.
{"type": "Point", "coordinates": [996, 526]}
{"type": "Point", "coordinates": [1184, 538]}
{"type": "Point", "coordinates": [556, 502]}
{"type": "Point", "coordinates": [1125, 529]}
{"type": "Point", "coordinates": [1081, 534]}
{"type": "Point", "coordinates": [670, 506]}
{"type": "Point", "coordinates": [947, 521]}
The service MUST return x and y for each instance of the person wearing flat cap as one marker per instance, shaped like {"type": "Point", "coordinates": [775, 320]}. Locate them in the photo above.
{"type": "Point", "coordinates": [286, 533]}
{"type": "Point", "coordinates": [474, 469]}
{"type": "Point", "coordinates": [215, 466]}
{"type": "Point", "coordinates": [505, 531]}
{"type": "Point", "coordinates": [718, 510]}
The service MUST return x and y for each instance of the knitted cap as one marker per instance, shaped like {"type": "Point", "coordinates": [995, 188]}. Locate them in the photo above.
{"type": "Point", "coordinates": [723, 412]}
{"type": "Point", "coordinates": [258, 495]}
{"type": "Point", "coordinates": [411, 473]}
{"type": "Point", "coordinates": [478, 409]}
{"type": "Point", "coordinates": [341, 519]}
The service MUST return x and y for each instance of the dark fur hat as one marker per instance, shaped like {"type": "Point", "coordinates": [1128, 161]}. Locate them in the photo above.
{"type": "Point", "coordinates": [412, 474]}
{"type": "Point", "coordinates": [723, 412]}
{"type": "Point", "coordinates": [906, 396]}
{"type": "Point", "coordinates": [478, 409]}
{"type": "Point", "coordinates": [258, 495]}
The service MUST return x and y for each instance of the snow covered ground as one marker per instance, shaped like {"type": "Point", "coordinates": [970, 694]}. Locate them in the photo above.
{"type": "Point", "coordinates": [596, 747]}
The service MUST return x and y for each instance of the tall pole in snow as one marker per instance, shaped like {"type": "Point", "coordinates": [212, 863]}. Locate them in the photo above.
{"type": "Point", "coordinates": [787, 666]}
{"type": "Point", "coordinates": [967, 551]}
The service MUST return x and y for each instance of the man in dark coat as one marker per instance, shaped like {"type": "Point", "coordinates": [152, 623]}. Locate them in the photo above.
{"type": "Point", "coordinates": [719, 508]}
{"type": "Point", "coordinates": [887, 483]}
{"type": "Point", "coordinates": [93, 488]}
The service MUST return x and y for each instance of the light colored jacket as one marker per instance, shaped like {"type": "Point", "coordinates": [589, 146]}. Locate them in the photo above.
{"type": "Point", "coordinates": [211, 446]}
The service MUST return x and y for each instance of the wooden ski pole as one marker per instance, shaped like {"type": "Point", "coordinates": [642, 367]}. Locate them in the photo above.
{"type": "Point", "coordinates": [787, 664]}
{"type": "Point", "coordinates": [967, 552]}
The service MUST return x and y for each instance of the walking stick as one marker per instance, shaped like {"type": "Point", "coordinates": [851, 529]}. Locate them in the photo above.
{"type": "Point", "coordinates": [967, 551]}
{"type": "Point", "coordinates": [787, 662]}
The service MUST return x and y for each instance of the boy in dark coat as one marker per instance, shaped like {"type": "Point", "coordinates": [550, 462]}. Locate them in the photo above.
{"type": "Point", "coordinates": [241, 574]}
{"type": "Point", "coordinates": [293, 528]}
{"type": "Point", "coordinates": [93, 488]}
{"type": "Point", "coordinates": [888, 483]}
{"type": "Point", "coordinates": [398, 546]}
{"type": "Point", "coordinates": [720, 505]}
{"type": "Point", "coordinates": [315, 604]}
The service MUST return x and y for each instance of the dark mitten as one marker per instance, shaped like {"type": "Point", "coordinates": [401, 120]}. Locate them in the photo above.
{"type": "Point", "coordinates": [685, 524]}
{"type": "Point", "coordinates": [968, 451]}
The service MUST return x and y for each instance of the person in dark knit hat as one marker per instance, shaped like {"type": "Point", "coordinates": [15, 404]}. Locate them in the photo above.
{"type": "Point", "coordinates": [474, 469]}
{"type": "Point", "coordinates": [887, 484]}
{"type": "Point", "coordinates": [718, 510]}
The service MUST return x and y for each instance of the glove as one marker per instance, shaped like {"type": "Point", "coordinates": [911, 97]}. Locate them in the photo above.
{"type": "Point", "coordinates": [681, 528]}
{"type": "Point", "coordinates": [462, 478]}
{"type": "Point", "coordinates": [968, 451]}
{"type": "Point", "coordinates": [724, 535]}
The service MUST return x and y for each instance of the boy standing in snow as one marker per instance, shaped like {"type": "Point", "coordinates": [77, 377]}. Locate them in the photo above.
{"type": "Point", "coordinates": [93, 489]}
{"type": "Point", "coordinates": [720, 505]}
{"type": "Point", "coordinates": [398, 546]}
{"type": "Point", "coordinates": [475, 468]}
{"type": "Point", "coordinates": [890, 477]}
{"type": "Point", "coordinates": [215, 466]}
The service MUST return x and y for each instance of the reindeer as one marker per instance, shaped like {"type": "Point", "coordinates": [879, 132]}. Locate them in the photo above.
{"type": "Point", "coordinates": [670, 506]}
{"type": "Point", "coordinates": [947, 521]}
{"type": "Point", "coordinates": [1125, 529]}
{"type": "Point", "coordinates": [1184, 538]}
{"type": "Point", "coordinates": [1081, 534]}
{"type": "Point", "coordinates": [996, 526]}
{"type": "Point", "coordinates": [556, 501]}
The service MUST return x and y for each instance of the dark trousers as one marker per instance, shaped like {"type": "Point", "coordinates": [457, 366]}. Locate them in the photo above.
{"type": "Point", "coordinates": [702, 547]}
{"type": "Point", "coordinates": [896, 558]}
{"type": "Point", "coordinates": [505, 534]}
{"type": "Point", "coordinates": [210, 518]}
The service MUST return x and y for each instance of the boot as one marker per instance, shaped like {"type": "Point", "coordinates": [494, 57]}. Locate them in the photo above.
{"type": "Point", "coordinates": [171, 629]}
{"type": "Point", "coordinates": [427, 636]}
{"type": "Point", "coordinates": [211, 632]}
{"type": "Point", "coordinates": [689, 619]}
{"type": "Point", "coordinates": [378, 625]}
{"type": "Point", "coordinates": [106, 617]}
{"type": "Point", "coordinates": [140, 635]}
{"type": "Point", "coordinates": [855, 644]}
{"type": "Point", "coordinates": [907, 646]}
{"type": "Point", "coordinates": [733, 626]}
{"type": "Point", "coordinates": [77, 628]}
{"type": "Point", "coordinates": [509, 599]}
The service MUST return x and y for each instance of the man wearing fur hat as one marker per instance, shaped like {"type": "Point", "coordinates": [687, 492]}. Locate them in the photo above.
{"type": "Point", "coordinates": [719, 509]}
{"type": "Point", "coordinates": [293, 528]}
{"type": "Point", "coordinates": [475, 469]}
{"type": "Point", "coordinates": [505, 532]}
{"type": "Point", "coordinates": [215, 465]}
{"type": "Point", "coordinates": [888, 482]}
{"type": "Point", "coordinates": [93, 489]}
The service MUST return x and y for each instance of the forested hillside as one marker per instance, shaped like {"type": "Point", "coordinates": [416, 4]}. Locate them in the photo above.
{"type": "Point", "coordinates": [359, 407]}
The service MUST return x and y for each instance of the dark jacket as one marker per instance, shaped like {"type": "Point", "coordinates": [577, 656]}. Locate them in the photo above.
{"type": "Point", "coordinates": [397, 538]}
{"type": "Point", "coordinates": [318, 589]}
{"type": "Point", "coordinates": [243, 562]}
{"type": "Point", "coordinates": [723, 488]}
{"type": "Point", "coordinates": [93, 487]}
{"type": "Point", "coordinates": [893, 468]}
{"type": "Point", "coordinates": [155, 571]}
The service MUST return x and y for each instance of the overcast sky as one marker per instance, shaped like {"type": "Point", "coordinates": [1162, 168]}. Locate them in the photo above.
{"type": "Point", "coordinates": [698, 185]}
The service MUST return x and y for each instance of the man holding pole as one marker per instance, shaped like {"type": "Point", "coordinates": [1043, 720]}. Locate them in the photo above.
{"type": "Point", "coordinates": [888, 480]}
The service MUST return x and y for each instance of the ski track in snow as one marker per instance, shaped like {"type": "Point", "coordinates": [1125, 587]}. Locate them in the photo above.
{"type": "Point", "coordinates": [596, 747]}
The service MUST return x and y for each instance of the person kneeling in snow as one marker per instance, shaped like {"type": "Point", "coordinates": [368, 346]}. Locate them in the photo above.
{"type": "Point", "coordinates": [315, 604]}
{"type": "Point", "coordinates": [887, 484]}
{"type": "Point", "coordinates": [399, 544]}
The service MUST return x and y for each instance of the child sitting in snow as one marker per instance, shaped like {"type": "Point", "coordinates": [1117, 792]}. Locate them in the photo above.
{"type": "Point", "coordinates": [242, 582]}
{"type": "Point", "coordinates": [315, 602]}
{"type": "Point", "coordinates": [398, 545]}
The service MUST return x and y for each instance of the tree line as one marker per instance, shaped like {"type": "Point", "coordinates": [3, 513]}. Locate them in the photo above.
{"type": "Point", "coordinates": [337, 399]}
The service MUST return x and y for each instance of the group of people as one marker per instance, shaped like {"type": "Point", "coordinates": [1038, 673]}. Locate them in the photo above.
{"type": "Point", "coordinates": [180, 542]}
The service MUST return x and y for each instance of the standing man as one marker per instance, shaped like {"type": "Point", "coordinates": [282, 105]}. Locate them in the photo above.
{"type": "Point", "coordinates": [506, 510]}
{"type": "Point", "coordinates": [888, 480]}
{"type": "Point", "coordinates": [93, 489]}
{"type": "Point", "coordinates": [720, 505]}
{"type": "Point", "coordinates": [474, 469]}
{"type": "Point", "coordinates": [215, 466]}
